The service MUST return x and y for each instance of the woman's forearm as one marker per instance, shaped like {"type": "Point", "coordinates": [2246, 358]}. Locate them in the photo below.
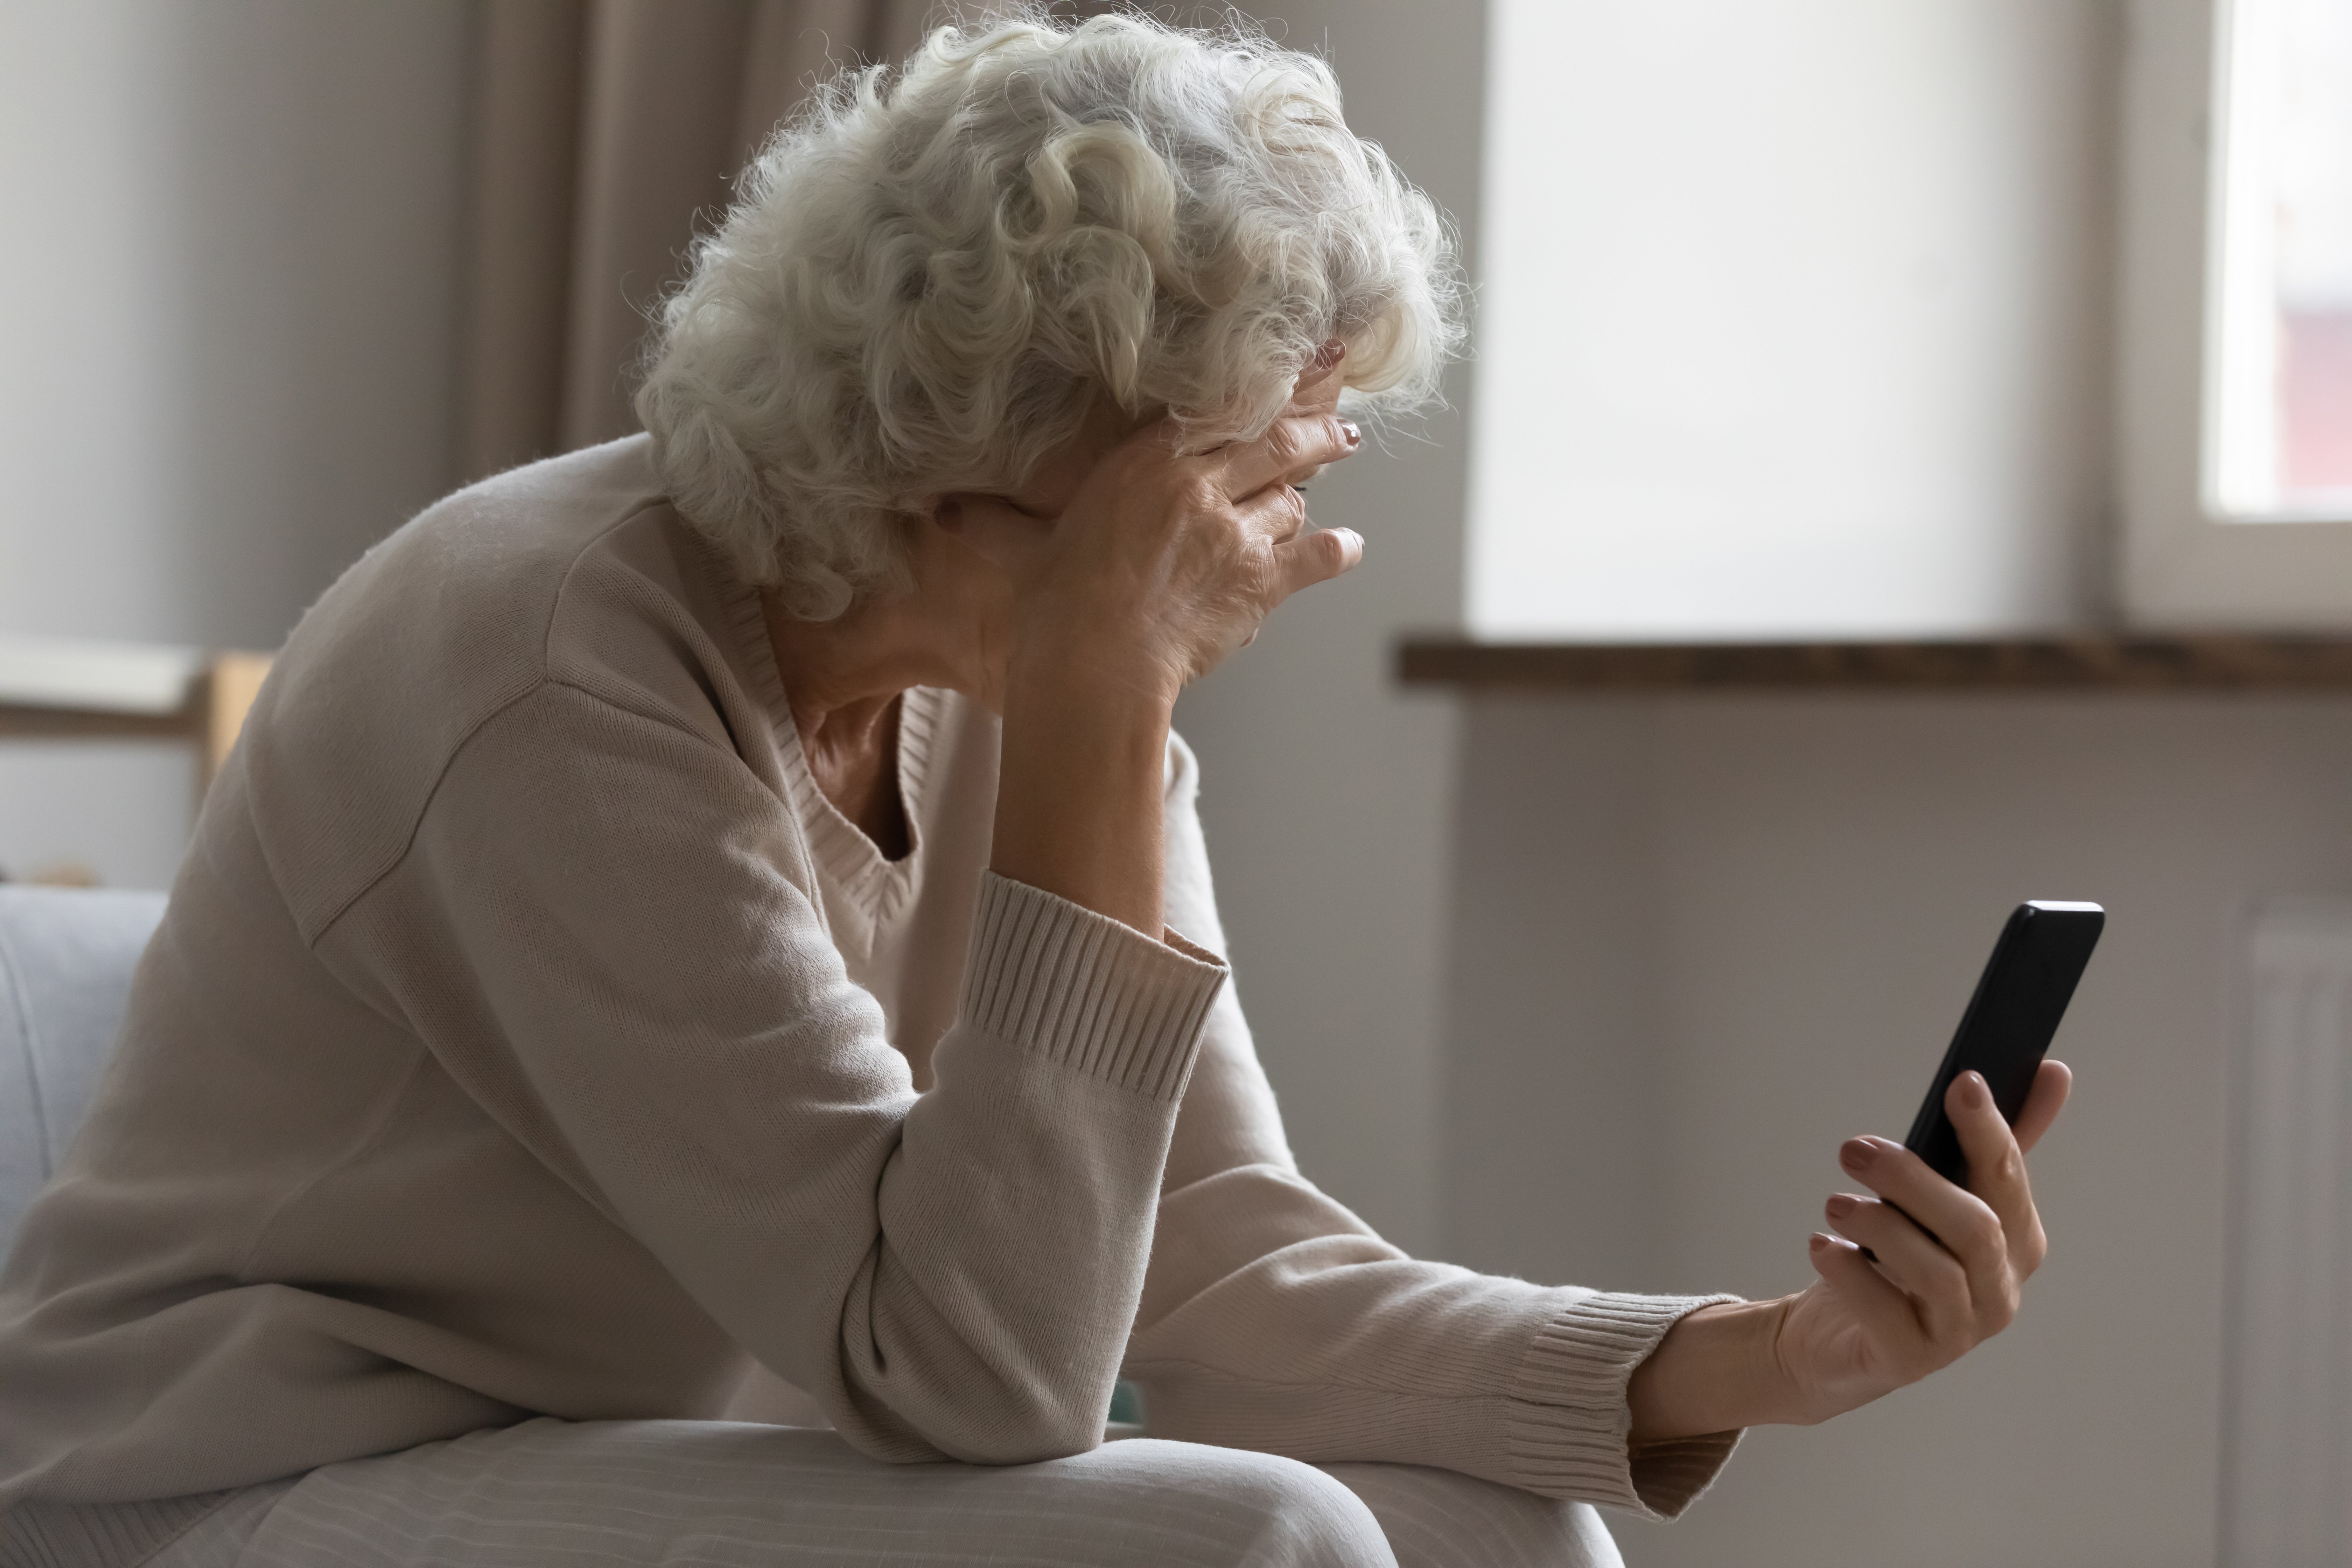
{"type": "Point", "coordinates": [1161, 563]}
{"type": "Point", "coordinates": [1078, 804]}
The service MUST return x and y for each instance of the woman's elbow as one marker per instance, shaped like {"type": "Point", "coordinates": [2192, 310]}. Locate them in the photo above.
{"type": "Point", "coordinates": [1024, 1430]}
{"type": "Point", "coordinates": [991, 1421]}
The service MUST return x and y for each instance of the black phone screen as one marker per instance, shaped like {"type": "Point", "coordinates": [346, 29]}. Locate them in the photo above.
{"type": "Point", "coordinates": [2010, 1021]}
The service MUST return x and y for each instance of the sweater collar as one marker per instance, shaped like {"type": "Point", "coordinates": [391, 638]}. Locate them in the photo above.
{"type": "Point", "coordinates": [845, 862]}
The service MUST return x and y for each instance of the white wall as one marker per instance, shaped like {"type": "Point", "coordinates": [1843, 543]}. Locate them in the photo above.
{"type": "Point", "coordinates": [1794, 317]}
{"type": "Point", "coordinates": [1702, 940]}
{"type": "Point", "coordinates": [230, 237]}
{"type": "Point", "coordinates": [1324, 789]}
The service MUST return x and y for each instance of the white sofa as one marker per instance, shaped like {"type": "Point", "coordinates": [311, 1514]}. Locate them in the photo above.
{"type": "Point", "coordinates": [65, 959]}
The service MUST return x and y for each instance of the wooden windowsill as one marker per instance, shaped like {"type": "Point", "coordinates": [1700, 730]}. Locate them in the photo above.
{"type": "Point", "coordinates": [2088, 663]}
{"type": "Point", "coordinates": [52, 690]}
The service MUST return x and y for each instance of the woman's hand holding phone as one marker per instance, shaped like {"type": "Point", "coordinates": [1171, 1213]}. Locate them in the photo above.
{"type": "Point", "coordinates": [1943, 1273]}
{"type": "Point", "coordinates": [1950, 1263]}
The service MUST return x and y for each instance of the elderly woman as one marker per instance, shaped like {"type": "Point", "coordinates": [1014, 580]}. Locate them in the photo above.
{"type": "Point", "coordinates": [716, 926]}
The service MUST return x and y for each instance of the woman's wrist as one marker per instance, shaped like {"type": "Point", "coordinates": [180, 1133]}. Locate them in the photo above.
{"type": "Point", "coordinates": [1717, 1370]}
{"type": "Point", "coordinates": [1078, 804]}
{"type": "Point", "coordinates": [1074, 661]}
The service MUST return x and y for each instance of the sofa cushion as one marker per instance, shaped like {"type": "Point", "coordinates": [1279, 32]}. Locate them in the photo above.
{"type": "Point", "coordinates": [65, 959]}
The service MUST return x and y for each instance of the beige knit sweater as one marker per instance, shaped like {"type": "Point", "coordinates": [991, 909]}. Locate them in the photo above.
{"type": "Point", "coordinates": [527, 1034]}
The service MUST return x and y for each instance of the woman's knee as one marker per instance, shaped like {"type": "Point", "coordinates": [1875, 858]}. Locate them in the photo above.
{"type": "Point", "coordinates": [1438, 1519]}
{"type": "Point", "coordinates": [1247, 1509]}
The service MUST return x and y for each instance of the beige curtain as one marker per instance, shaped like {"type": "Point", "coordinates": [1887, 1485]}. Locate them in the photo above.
{"type": "Point", "coordinates": [601, 129]}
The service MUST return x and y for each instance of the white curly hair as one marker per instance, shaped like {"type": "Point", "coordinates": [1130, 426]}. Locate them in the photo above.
{"type": "Point", "coordinates": [931, 273]}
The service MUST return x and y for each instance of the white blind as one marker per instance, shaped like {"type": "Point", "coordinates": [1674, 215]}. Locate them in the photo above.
{"type": "Point", "coordinates": [1792, 316]}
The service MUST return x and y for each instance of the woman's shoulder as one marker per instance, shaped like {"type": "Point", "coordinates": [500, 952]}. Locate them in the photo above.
{"type": "Point", "coordinates": [575, 571]}
{"type": "Point", "coordinates": [481, 570]}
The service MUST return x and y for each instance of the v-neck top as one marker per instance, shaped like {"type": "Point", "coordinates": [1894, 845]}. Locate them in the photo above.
{"type": "Point", "coordinates": [528, 1035]}
{"type": "Point", "coordinates": [888, 917]}
{"type": "Point", "coordinates": [885, 916]}
{"type": "Point", "coordinates": [867, 889]}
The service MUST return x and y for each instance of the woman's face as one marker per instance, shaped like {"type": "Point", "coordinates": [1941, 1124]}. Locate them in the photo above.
{"type": "Point", "coordinates": [1059, 474]}
{"type": "Point", "coordinates": [963, 591]}
{"type": "Point", "coordinates": [956, 566]}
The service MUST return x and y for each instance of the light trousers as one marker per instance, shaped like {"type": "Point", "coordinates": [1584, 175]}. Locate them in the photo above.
{"type": "Point", "coordinates": [638, 1494]}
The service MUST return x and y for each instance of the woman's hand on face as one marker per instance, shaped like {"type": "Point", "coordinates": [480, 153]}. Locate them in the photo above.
{"type": "Point", "coordinates": [1950, 1262]}
{"type": "Point", "coordinates": [1126, 568]}
{"type": "Point", "coordinates": [1162, 562]}
{"type": "Point", "coordinates": [1949, 1266]}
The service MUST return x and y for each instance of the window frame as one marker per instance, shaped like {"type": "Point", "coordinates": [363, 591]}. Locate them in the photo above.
{"type": "Point", "coordinates": [2181, 567]}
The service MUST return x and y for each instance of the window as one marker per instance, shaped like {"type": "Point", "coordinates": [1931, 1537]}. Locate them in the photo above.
{"type": "Point", "coordinates": [1792, 318]}
{"type": "Point", "coordinates": [1837, 318]}
{"type": "Point", "coordinates": [2279, 371]}
{"type": "Point", "coordinates": [2235, 374]}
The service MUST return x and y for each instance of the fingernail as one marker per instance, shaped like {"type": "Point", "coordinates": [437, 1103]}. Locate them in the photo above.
{"type": "Point", "coordinates": [1354, 437]}
{"type": "Point", "coordinates": [1818, 1241]}
{"type": "Point", "coordinates": [1840, 1204]}
{"type": "Point", "coordinates": [1973, 1092]}
{"type": "Point", "coordinates": [1856, 1153]}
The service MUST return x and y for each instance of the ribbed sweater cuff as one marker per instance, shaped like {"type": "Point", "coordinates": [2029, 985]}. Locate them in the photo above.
{"type": "Point", "coordinates": [1086, 989]}
{"type": "Point", "coordinates": [61, 1535]}
{"type": "Point", "coordinates": [1569, 1420]}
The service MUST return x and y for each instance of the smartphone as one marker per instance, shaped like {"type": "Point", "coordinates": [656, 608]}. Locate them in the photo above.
{"type": "Point", "coordinates": [2027, 983]}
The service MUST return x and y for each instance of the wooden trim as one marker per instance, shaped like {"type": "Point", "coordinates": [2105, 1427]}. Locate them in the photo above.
{"type": "Point", "coordinates": [22, 722]}
{"type": "Point", "coordinates": [209, 719]}
{"type": "Point", "coordinates": [2051, 664]}
{"type": "Point", "coordinates": [219, 707]}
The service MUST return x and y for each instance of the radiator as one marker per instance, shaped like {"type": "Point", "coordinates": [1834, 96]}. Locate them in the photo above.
{"type": "Point", "coordinates": [2287, 1450]}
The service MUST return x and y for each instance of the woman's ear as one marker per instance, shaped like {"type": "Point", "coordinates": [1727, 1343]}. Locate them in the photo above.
{"type": "Point", "coordinates": [990, 526]}
{"type": "Point", "coordinates": [1320, 369]}
{"type": "Point", "coordinates": [1319, 385]}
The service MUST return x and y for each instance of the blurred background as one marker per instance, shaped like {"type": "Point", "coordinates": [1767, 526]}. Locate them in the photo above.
{"type": "Point", "coordinates": [1973, 336]}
